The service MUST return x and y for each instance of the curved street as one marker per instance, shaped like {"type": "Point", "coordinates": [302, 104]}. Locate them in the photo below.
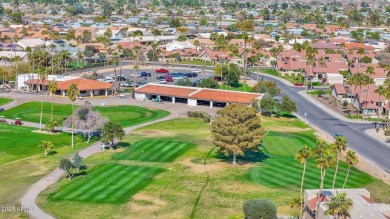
{"type": "Point", "coordinates": [318, 115]}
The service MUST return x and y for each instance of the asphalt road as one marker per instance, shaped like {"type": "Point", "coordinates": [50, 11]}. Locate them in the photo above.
{"type": "Point", "coordinates": [370, 148]}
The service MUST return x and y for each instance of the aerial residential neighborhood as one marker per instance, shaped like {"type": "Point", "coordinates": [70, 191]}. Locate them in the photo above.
{"type": "Point", "coordinates": [195, 109]}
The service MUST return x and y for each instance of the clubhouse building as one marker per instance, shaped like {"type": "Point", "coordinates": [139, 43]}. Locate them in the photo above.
{"type": "Point", "coordinates": [194, 96]}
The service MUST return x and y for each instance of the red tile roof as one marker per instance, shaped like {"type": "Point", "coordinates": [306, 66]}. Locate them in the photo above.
{"type": "Point", "coordinates": [84, 84]}
{"type": "Point", "coordinates": [199, 93]}
{"type": "Point", "coordinates": [340, 89]}
{"type": "Point", "coordinates": [36, 81]}
{"type": "Point", "coordinates": [166, 90]}
{"type": "Point", "coordinates": [312, 203]}
{"type": "Point", "coordinates": [225, 96]}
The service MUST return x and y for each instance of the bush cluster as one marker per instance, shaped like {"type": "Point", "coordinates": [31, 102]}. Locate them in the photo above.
{"type": "Point", "coordinates": [202, 115]}
{"type": "Point", "coordinates": [387, 132]}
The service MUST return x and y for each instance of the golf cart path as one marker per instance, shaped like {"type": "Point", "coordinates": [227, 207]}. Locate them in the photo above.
{"type": "Point", "coordinates": [28, 201]}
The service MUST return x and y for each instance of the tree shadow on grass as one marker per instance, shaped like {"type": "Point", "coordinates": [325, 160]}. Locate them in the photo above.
{"type": "Point", "coordinates": [121, 145]}
{"type": "Point", "coordinates": [52, 153]}
{"type": "Point", "coordinates": [249, 157]}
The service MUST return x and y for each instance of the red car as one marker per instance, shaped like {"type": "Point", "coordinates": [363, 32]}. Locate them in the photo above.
{"type": "Point", "coordinates": [162, 70]}
{"type": "Point", "coordinates": [168, 78]}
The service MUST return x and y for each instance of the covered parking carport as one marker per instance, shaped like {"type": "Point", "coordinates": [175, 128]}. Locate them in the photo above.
{"type": "Point", "coordinates": [174, 94]}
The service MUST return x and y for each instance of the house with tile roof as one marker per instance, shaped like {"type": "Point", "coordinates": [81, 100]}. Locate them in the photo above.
{"type": "Point", "coordinates": [363, 205]}
{"type": "Point", "coordinates": [31, 43]}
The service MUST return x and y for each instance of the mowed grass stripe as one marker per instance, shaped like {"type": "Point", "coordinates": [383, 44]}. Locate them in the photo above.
{"type": "Point", "coordinates": [81, 187]}
{"type": "Point", "coordinates": [128, 181]}
{"type": "Point", "coordinates": [178, 150]}
{"type": "Point", "coordinates": [153, 151]}
{"type": "Point", "coordinates": [107, 188]}
{"type": "Point", "coordinates": [313, 172]}
{"type": "Point", "coordinates": [156, 151]}
{"type": "Point", "coordinates": [127, 187]}
{"type": "Point", "coordinates": [146, 145]}
{"type": "Point", "coordinates": [169, 146]}
{"type": "Point", "coordinates": [130, 191]}
{"type": "Point", "coordinates": [108, 182]}
{"type": "Point", "coordinates": [310, 175]}
{"type": "Point", "coordinates": [134, 153]}
{"type": "Point", "coordinates": [66, 190]}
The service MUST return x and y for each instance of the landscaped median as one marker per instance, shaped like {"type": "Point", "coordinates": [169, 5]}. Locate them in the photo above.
{"type": "Point", "coordinates": [160, 169]}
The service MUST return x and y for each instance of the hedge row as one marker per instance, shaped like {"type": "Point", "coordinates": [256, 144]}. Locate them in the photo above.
{"type": "Point", "coordinates": [202, 115]}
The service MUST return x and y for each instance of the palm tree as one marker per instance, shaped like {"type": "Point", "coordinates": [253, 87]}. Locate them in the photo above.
{"type": "Point", "coordinates": [339, 146]}
{"type": "Point", "coordinates": [381, 90]}
{"type": "Point", "coordinates": [196, 44]}
{"type": "Point", "coordinates": [73, 92]}
{"type": "Point", "coordinates": [46, 145]}
{"type": "Point", "coordinates": [361, 80]}
{"type": "Point", "coordinates": [324, 161]}
{"type": "Point", "coordinates": [42, 77]}
{"type": "Point", "coordinates": [302, 156]}
{"type": "Point", "coordinates": [52, 87]}
{"type": "Point", "coordinates": [369, 71]}
{"type": "Point", "coordinates": [52, 47]}
{"type": "Point", "coordinates": [351, 159]}
{"type": "Point", "coordinates": [339, 205]}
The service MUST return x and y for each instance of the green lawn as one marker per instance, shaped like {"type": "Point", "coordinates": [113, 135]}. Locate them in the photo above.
{"type": "Point", "coordinates": [286, 173]}
{"type": "Point", "coordinates": [30, 112]}
{"type": "Point", "coordinates": [4, 101]}
{"type": "Point", "coordinates": [315, 92]}
{"type": "Point", "coordinates": [107, 183]}
{"type": "Point", "coordinates": [287, 143]}
{"type": "Point", "coordinates": [130, 115]}
{"type": "Point", "coordinates": [197, 183]}
{"type": "Point", "coordinates": [281, 170]}
{"type": "Point", "coordinates": [19, 142]}
{"type": "Point", "coordinates": [239, 87]}
{"type": "Point", "coordinates": [154, 151]}
{"type": "Point", "coordinates": [195, 62]}
{"type": "Point", "coordinates": [293, 79]}
{"type": "Point", "coordinates": [124, 115]}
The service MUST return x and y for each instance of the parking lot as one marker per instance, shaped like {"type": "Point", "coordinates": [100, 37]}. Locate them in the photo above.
{"type": "Point", "coordinates": [127, 77]}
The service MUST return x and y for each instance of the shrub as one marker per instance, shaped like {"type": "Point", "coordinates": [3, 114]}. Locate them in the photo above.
{"type": "Point", "coordinates": [320, 93]}
{"type": "Point", "coordinates": [345, 104]}
{"type": "Point", "coordinates": [387, 132]}
{"type": "Point", "coordinates": [259, 208]}
{"type": "Point", "coordinates": [202, 115]}
{"type": "Point", "coordinates": [286, 74]}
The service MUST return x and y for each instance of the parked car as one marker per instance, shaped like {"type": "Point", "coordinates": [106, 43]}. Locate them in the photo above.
{"type": "Point", "coordinates": [197, 71]}
{"type": "Point", "coordinates": [162, 70]}
{"type": "Point", "coordinates": [127, 85]}
{"type": "Point", "coordinates": [135, 75]}
{"type": "Point", "coordinates": [160, 82]}
{"type": "Point", "coordinates": [120, 78]}
{"type": "Point", "coordinates": [181, 75]}
{"type": "Point", "coordinates": [161, 77]}
{"type": "Point", "coordinates": [168, 78]}
{"type": "Point", "coordinates": [191, 75]}
{"type": "Point", "coordinates": [146, 74]}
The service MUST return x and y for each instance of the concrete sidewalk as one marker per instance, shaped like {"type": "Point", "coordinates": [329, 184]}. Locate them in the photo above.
{"type": "Point", "coordinates": [380, 136]}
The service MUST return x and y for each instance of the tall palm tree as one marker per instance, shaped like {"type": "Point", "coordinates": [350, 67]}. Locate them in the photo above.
{"type": "Point", "coordinates": [52, 47]}
{"type": "Point", "coordinates": [324, 161]}
{"type": "Point", "coordinates": [339, 146]}
{"type": "Point", "coordinates": [73, 92]}
{"type": "Point", "coordinates": [381, 90]}
{"type": "Point", "coordinates": [42, 78]}
{"type": "Point", "coordinates": [52, 87]}
{"type": "Point", "coordinates": [361, 80]}
{"type": "Point", "coordinates": [339, 206]}
{"type": "Point", "coordinates": [369, 71]}
{"type": "Point", "coordinates": [351, 159]}
{"type": "Point", "coordinates": [196, 44]}
{"type": "Point", "coordinates": [302, 156]}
